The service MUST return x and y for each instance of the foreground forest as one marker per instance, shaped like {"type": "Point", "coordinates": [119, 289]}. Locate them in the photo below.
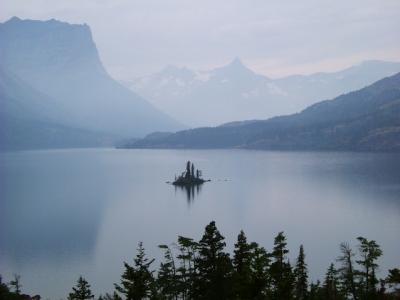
{"type": "Point", "coordinates": [203, 270]}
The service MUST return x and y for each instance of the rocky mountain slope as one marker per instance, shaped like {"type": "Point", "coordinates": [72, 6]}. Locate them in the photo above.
{"type": "Point", "coordinates": [58, 78]}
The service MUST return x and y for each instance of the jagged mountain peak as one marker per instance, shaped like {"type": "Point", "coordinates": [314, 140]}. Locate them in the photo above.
{"type": "Point", "coordinates": [236, 70]}
{"type": "Point", "coordinates": [13, 19]}
{"type": "Point", "coordinates": [236, 64]}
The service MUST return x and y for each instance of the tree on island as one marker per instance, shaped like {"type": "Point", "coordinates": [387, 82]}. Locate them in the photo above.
{"type": "Point", "coordinates": [190, 177]}
{"type": "Point", "coordinates": [188, 169]}
{"type": "Point", "coordinates": [192, 173]}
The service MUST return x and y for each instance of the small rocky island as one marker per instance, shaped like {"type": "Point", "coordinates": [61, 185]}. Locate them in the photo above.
{"type": "Point", "coordinates": [190, 177]}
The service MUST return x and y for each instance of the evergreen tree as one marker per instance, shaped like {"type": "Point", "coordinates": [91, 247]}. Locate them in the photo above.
{"type": "Point", "coordinates": [242, 268]}
{"type": "Point", "coordinates": [16, 284]}
{"type": "Point", "coordinates": [282, 278]}
{"type": "Point", "coordinates": [213, 280]}
{"type": "Point", "coordinates": [188, 169]}
{"type": "Point", "coordinates": [167, 280]}
{"type": "Point", "coordinates": [186, 272]}
{"type": "Point", "coordinates": [331, 284]}
{"type": "Point", "coordinates": [107, 296]}
{"type": "Point", "coordinates": [81, 291]}
{"type": "Point", "coordinates": [4, 290]}
{"type": "Point", "coordinates": [393, 279]}
{"type": "Point", "coordinates": [192, 173]}
{"type": "Point", "coordinates": [316, 292]}
{"type": "Point", "coordinates": [114, 296]}
{"type": "Point", "coordinates": [260, 267]}
{"type": "Point", "coordinates": [301, 276]}
{"type": "Point", "coordinates": [347, 270]}
{"type": "Point", "coordinates": [137, 282]}
{"type": "Point", "coordinates": [382, 289]}
{"type": "Point", "coordinates": [370, 252]}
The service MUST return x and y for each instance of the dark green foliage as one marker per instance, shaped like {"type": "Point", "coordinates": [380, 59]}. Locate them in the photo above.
{"type": "Point", "coordinates": [188, 169]}
{"type": "Point", "coordinates": [4, 290]}
{"type": "Point", "coordinates": [107, 296]}
{"type": "Point", "coordinates": [393, 279]}
{"type": "Point", "coordinates": [331, 284]}
{"type": "Point", "coordinates": [187, 271]}
{"type": "Point", "coordinates": [242, 283]}
{"type": "Point", "coordinates": [213, 280]}
{"type": "Point", "coordinates": [282, 277]}
{"type": "Point", "coordinates": [203, 270]}
{"type": "Point", "coordinates": [301, 277]}
{"type": "Point", "coordinates": [137, 282]}
{"type": "Point", "coordinates": [167, 281]}
{"type": "Point", "coordinates": [192, 173]}
{"type": "Point", "coordinates": [316, 291]}
{"type": "Point", "coordinates": [260, 268]}
{"type": "Point", "coordinates": [16, 284]}
{"type": "Point", "coordinates": [81, 291]}
{"type": "Point", "coordinates": [191, 177]}
{"type": "Point", "coordinates": [6, 294]}
{"type": "Point", "coordinates": [347, 271]}
{"type": "Point", "coordinates": [3, 287]}
{"type": "Point", "coordinates": [369, 252]}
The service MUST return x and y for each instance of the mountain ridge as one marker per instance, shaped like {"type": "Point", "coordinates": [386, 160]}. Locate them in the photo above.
{"type": "Point", "coordinates": [363, 120]}
{"type": "Point", "coordinates": [235, 92]}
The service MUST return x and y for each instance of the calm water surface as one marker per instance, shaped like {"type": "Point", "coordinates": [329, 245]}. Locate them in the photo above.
{"type": "Point", "coordinates": [66, 213]}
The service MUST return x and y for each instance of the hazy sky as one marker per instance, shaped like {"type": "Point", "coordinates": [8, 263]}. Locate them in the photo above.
{"type": "Point", "coordinates": [275, 38]}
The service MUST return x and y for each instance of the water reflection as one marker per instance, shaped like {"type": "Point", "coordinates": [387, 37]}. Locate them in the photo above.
{"type": "Point", "coordinates": [191, 191]}
{"type": "Point", "coordinates": [47, 212]}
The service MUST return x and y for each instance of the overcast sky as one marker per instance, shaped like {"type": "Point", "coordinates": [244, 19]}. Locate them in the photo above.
{"type": "Point", "coordinates": [275, 38]}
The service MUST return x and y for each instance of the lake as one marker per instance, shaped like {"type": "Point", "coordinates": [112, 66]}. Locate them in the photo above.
{"type": "Point", "coordinates": [65, 213]}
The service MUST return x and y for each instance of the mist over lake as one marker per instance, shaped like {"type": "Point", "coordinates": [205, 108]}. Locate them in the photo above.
{"type": "Point", "coordinates": [70, 212]}
{"type": "Point", "coordinates": [209, 150]}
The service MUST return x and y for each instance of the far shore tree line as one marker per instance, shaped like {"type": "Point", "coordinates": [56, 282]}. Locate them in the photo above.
{"type": "Point", "coordinates": [203, 270]}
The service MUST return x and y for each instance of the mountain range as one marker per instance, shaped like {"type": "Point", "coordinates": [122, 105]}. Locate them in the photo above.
{"type": "Point", "coordinates": [235, 92]}
{"type": "Point", "coordinates": [364, 120]}
{"type": "Point", "coordinates": [55, 91]}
